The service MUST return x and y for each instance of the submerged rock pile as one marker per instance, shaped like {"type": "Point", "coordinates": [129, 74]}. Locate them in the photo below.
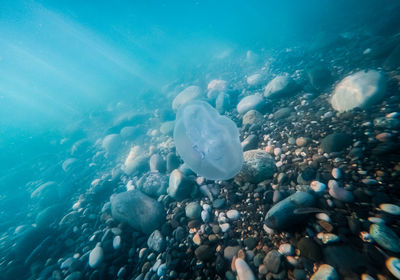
{"type": "Point", "coordinates": [317, 197]}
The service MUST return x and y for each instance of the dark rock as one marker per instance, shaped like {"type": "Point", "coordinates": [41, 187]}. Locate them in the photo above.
{"type": "Point", "coordinates": [219, 203]}
{"type": "Point", "coordinates": [204, 253]}
{"type": "Point", "coordinates": [282, 215]}
{"type": "Point", "coordinates": [336, 142]}
{"type": "Point", "coordinates": [138, 210]}
{"type": "Point", "coordinates": [309, 249]}
{"type": "Point", "coordinates": [250, 242]}
{"type": "Point", "coordinates": [344, 258]}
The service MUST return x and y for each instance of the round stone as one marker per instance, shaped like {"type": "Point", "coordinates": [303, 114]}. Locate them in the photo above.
{"type": "Point", "coordinates": [233, 214]}
{"type": "Point", "coordinates": [193, 210]}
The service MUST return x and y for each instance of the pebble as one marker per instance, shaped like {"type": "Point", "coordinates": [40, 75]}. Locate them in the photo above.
{"type": "Point", "coordinates": [286, 249]}
{"type": "Point", "coordinates": [272, 261]}
{"type": "Point", "coordinates": [243, 270]}
{"type": "Point", "coordinates": [161, 270]}
{"type": "Point", "coordinates": [197, 239]}
{"type": "Point", "coordinates": [366, 277]}
{"type": "Point", "coordinates": [336, 173]}
{"type": "Point", "coordinates": [309, 249]}
{"type": "Point", "coordinates": [325, 272]}
{"type": "Point", "coordinates": [233, 214]}
{"type": "Point", "coordinates": [219, 203]}
{"type": "Point", "coordinates": [390, 208]}
{"type": "Point", "coordinates": [96, 256]}
{"type": "Point", "coordinates": [327, 238]}
{"type": "Point", "coordinates": [205, 216]}
{"type": "Point", "coordinates": [225, 227]}
{"type": "Point", "coordinates": [156, 241]}
{"type": "Point", "coordinates": [376, 220]}
{"type": "Point", "coordinates": [230, 252]}
{"type": "Point", "coordinates": [318, 187]}
{"type": "Point", "coordinates": [193, 210]}
{"type": "Point", "coordinates": [301, 141]}
{"type": "Point", "coordinates": [282, 216]}
{"type": "Point", "coordinates": [385, 237]}
{"type": "Point", "coordinates": [204, 252]}
{"type": "Point", "coordinates": [323, 217]}
{"type": "Point", "coordinates": [117, 242]}
{"type": "Point", "coordinates": [393, 265]}
{"type": "Point", "coordinates": [339, 193]}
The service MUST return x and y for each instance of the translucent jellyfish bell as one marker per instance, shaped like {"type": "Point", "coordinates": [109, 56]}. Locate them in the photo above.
{"type": "Point", "coordinates": [208, 142]}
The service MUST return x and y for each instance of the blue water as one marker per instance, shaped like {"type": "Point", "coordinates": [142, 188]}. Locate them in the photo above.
{"type": "Point", "coordinates": [72, 72]}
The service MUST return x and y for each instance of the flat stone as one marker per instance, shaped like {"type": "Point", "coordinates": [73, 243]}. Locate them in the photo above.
{"type": "Point", "coordinates": [385, 237]}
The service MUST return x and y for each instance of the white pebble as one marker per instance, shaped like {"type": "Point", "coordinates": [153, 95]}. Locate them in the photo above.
{"type": "Point", "coordinates": [205, 216]}
{"type": "Point", "coordinates": [390, 208]}
{"type": "Point", "coordinates": [233, 214]}
{"type": "Point", "coordinates": [277, 151]}
{"type": "Point", "coordinates": [96, 256]}
{"type": "Point", "coordinates": [317, 187]}
{"type": "Point", "coordinates": [323, 217]}
{"type": "Point", "coordinates": [286, 249]}
{"type": "Point", "coordinates": [225, 227]}
{"type": "Point", "coordinates": [117, 242]}
{"type": "Point", "coordinates": [243, 270]}
{"type": "Point", "coordinates": [336, 173]}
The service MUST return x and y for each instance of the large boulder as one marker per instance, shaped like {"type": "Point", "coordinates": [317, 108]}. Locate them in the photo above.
{"type": "Point", "coordinates": [258, 166]}
{"type": "Point", "coordinates": [361, 89]}
{"type": "Point", "coordinates": [138, 210]}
